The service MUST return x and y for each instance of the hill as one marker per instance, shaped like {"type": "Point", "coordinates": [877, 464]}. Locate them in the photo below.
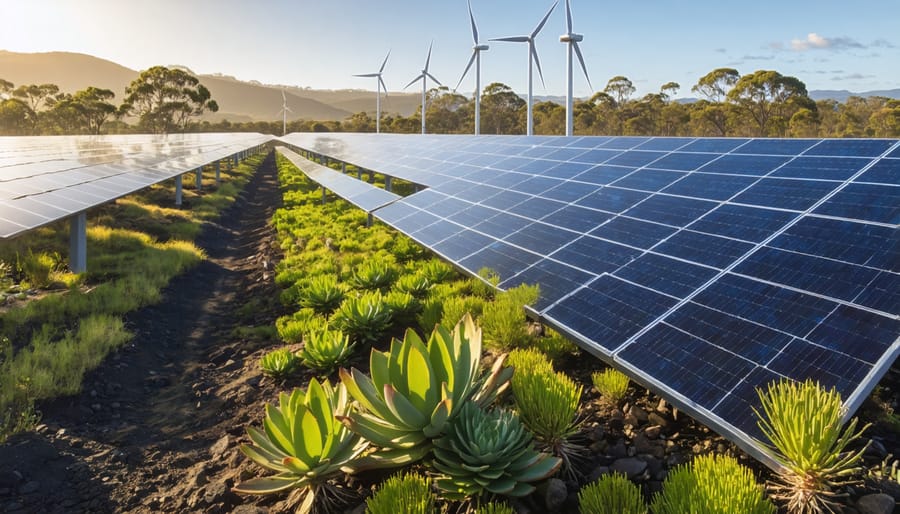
{"type": "Point", "coordinates": [238, 100]}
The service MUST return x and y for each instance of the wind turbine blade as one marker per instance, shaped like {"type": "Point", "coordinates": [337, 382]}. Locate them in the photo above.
{"type": "Point", "coordinates": [288, 109]}
{"type": "Point", "coordinates": [474, 28]}
{"type": "Point", "coordinates": [283, 98]}
{"type": "Point", "coordinates": [385, 61]}
{"type": "Point", "coordinates": [428, 60]}
{"type": "Point", "coordinates": [367, 75]}
{"type": "Point", "coordinates": [512, 39]}
{"type": "Point", "coordinates": [385, 87]}
{"type": "Point", "coordinates": [468, 67]}
{"type": "Point", "coordinates": [413, 81]}
{"type": "Point", "coordinates": [583, 67]}
{"type": "Point", "coordinates": [434, 79]}
{"type": "Point", "coordinates": [537, 61]}
{"type": "Point", "coordinates": [544, 20]}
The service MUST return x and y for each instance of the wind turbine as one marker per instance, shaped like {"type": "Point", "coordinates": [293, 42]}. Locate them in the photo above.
{"type": "Point", "coordinates": [476, 57]}
{"type": "Point", "coordinates": [572, 40]}
{"type": "Point", "coordinates": [284, 110]}
{"type": "Point", "coordinates": [378, 85]}
{"type": "Point", "coordinates": [425, 76]}
{"type": "Point", "coordinates": [532, 60]}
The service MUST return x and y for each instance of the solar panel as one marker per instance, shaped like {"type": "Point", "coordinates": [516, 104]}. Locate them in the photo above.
{"type": "Point", "coordinates": [704, 268]}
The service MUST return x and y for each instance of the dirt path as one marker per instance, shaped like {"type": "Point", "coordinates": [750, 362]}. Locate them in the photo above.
{"type": "Point", "coordinates": [147, 432]}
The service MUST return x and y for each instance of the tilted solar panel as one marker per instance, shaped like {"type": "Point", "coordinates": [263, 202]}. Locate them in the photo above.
{"type": "Point", "coordinates": [704, 267]}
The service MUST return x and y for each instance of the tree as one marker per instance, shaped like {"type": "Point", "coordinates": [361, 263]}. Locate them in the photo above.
{"type": "Point", "coordinates": [620, 89]}
{"type": "Point", "coordinates": [13, 117]}
{"type": "Point", "coordinates": [712, 110]}
{"type": "Point", "coordinates": [549, 119]}
{"type": "Point", "coordinates": [445, 111]}
{"type": "Point", "coordinates": [669, 90]}
{"type": "Point", "coordinates": [885, 122]}
{"type": "Point", "coordinates": [35, 97]}
{"type": "Point", "coordinates": [164, 99]}
{"type": "Point", "coordinates": [94, 107]}
{"type": "Point", "coordinates": [769, 99]}
{"type": "Point", "coordinates": [500, 107]}
{"type": "Point", "coordinates": [6, 88]}
{"type": "Point", "coordinates": [715, 85]}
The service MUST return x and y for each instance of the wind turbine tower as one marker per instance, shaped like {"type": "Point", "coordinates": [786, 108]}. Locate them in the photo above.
{"type": "Point", "coordinates": [532, 61]}
{"type": "Point", "coordinates": [379, 83]}
{"type": "Point", "coordinates": [571, 39]}
{"type": "Point", "coordinates": [284, 110]}
{"type": "Point", "coordinates": [424, 76]}
{"type": "Point", "coordinates": [476, 58]}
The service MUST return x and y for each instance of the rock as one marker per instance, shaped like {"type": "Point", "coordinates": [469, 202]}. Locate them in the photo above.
{"type": "Point", "coordinates": [30, 487]}
{"type": "Point", "coordinates": [655, 419]}
{"type": "Point", "coordinates": [644, 446]}
{"type": "Point", "coordinates": [216, 493]}
{"type": "Point", "coordinates": [630, 466]}
{"type": "Point", "coordinates": [12, 507]}
{"type": "Point", "coordinates": [617, 450]}
{"type": "Point", "coordinates": [616, 420]}
{"type": "Point", "coordinates": [598, 472]}
{"type": "Point", "coordinates": [652, 432]}
{"type": "Point", "coordinates": [197, 476]}
{"type": "Point", "coordinates": [253, 509]}
{"type": "Point", "coordinates": [554, 493]}
{"type": "Point", "coordinates": [876, 449]}
{"type": "Point", "coordinates": [220, 447]}
{"type": "Point", "coordinates": [875, 504]}
{"type": "Point", "coordinates": [638, 413]}
{"type": "Point", "coordinates": [10, 478]}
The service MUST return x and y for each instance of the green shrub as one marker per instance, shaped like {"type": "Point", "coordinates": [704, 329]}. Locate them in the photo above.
{"type": "Point", "coordinates": [37, 268]}
{"type": "Point", "coordinates": [503, 319]}
{"type": "Point", "coordinates": [322, 294]}
{"type": "Point", "coordinates": [495, 507]}
{"type": "Point", "coordinates": [303, 442]}
{"type": "Point", "coordinates": [485, 286]}
{"type": "Point", "coordinates": [291, 329]}
{"type": "Point", "coordinates": [407, 494]}
{"type": "Point", "coordinates": [555, 346]}
{"type": "Point", "coordinates": [437, 272]}
{"type": "Point", "coordinates": [612, 384]}
{"type": "Point", "coordinates": [455, 307]}
{"type": "Point", "coordinates": [279, 363]}
{"type": "Point", "coordinates": [489, 452]}
{"type": "Point", "coordinates": [711, 484]}
{"type": "Point", "coordinates": [430, 317]}
{"type": "Point", "coordinates": [373, 275]}
{"type": "Point", "coordinates": [803, 423]}
{"type": "Point", "coordinates": [404, 307]}
{"type": "Point", "coordinates": [529, 360]}
{"type": "Point", "coordinates": [325, 350]}
{"type": "Point", "coordinates": [611, 494]}
{"type": "Point", "coordinates": [416, 285]}
{"type": "Point", "coordinates": [365, 319]}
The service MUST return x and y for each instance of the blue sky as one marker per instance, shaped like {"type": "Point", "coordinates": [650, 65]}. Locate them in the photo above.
{"type": "Point", "coordinates": [321, 43]}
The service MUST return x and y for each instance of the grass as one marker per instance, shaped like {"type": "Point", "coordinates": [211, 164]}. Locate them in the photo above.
{"type": "Point", "coordinates": [136, 245]}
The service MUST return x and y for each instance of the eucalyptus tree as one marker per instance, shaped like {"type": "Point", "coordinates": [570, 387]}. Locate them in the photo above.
{"type": "Point", "coordinates": [768, 99]}
{"type": "Point", "coordinates": [165, 99]}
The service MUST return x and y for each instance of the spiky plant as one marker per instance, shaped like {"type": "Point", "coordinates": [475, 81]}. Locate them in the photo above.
{"type": "Point", "coordinates": [406, 494]}
{"type": "Point", "coordinates": [373, 275]}
{"type": "Point", "coordinates": [802, 421]}
{"type": "Point", "coordinates": [416, 389]}
{"type": "Point", "coordinates": [304, 443]}
{"type": "Point", "coordinates": [495, 507]}
{"type": "Point", "coordinates": [279, 363]}
{"type": "Point", "coordinates": [416, 285]}
{"type": "Point", "coordinates": [404, 308]}
{"type": "Point", "coordinates": [326, 350]}
{"type": "Point", "coordinates": [612, 384]}
{"type": "Point", "coordinates": [489, 452]}
{"type": "Point", "coordinates": [611, 494]}
{"type": "Point", "coordinates": [455, 307]}
{"type": "Point", "coordinates": [323, 294]}
{"type": "Point", "coordinates": [528, 359]}
{"type": "Point", "coordinates": [365, 318]}
{"type": "Point", "coordinates": [503, 319]}
{"type": "Point", "coordinates": [711, 484]}
{"type": "Point", "coordinates": [436, 271]}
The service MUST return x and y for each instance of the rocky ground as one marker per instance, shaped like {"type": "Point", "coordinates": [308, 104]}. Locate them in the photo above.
{"type": "Point", "coordinates": [158, 425]}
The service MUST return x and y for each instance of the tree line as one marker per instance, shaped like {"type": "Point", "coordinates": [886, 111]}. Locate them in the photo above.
{"type": "Point", "coordinates": [764, 103]}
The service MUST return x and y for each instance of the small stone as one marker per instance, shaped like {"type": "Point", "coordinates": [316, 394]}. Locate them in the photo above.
{"type": "Point", "coordinates": [555, 493]}
{"type": "Point", "coordinates": [96, 407]}
{"type": "Point", "coordinates": [115, 405]}
{"type": "Point", "coordinates": [30, 487]}
{"type": "Point", "coordinates": [655, 419]}
{"type": "Point", "coordinates": [876, 449]}
{"type": "Point", "coordinates": [875, 504]}
{"type": "Point", "coordinates": [220, 446]}
{"type": "Point", "coordinates": [630, 466]}
{"type": "Point", "coordinates": [617, 450]}
{"type": "Point", "coordinates": [639, 414]}
{"type": "Point", "coordinates": [12, 507]}
{"type": "Point", "coordinates": [652, 432]}
{"type": "Point", "coordinates": [10, 478]}
{"type": "Point", "coordinates": [215, 493]}
{"type": "Point", "coordinates": [598, 472]}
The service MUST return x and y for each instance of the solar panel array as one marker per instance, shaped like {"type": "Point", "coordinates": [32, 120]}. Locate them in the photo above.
{"type": "Point", "coordinates": [704, 267]}
{"type": "Point", "coordinates": [45, 179]}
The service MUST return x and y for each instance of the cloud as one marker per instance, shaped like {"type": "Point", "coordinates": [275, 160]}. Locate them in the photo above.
{"type": "Point", "coordinates": [883, 43]}
{"type": "Point", "coordinates": [814, 41]}
{"type": "Point", "coordinates": [852, 76]}
{"type": "Point", "coordinates": [757, 57]}
{"type": "Point", "coordinates": [720, 50]}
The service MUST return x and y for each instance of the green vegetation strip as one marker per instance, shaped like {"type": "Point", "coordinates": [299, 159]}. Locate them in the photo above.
{"type": "Point", "coordinates": [135, 247]}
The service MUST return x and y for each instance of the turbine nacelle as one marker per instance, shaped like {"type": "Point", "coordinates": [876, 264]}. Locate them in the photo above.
{"type": "Point", "coordinates": [571, 38]}
{"type": "Point", "coordinates": [480, 48]}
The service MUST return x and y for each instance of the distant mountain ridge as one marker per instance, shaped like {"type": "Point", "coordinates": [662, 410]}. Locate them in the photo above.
{"type": "Point", "coordinates": [250, 100]}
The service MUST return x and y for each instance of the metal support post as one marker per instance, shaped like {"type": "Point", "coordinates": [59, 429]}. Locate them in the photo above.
{"type": "Point", "coordinates": [178, 191]}
{"type": "Point", "coordinates": [199, 183]}
{"type": "Point", "coordinates": [78, 243]}
{"type": "Point", "coordinates": [218, 172]}
{"type": "Point", "coordinates": [323, 195]}
{"type": "Point", "coordinates": [387, 184]}
{"type": "Point", "coordinates": [369, 220]}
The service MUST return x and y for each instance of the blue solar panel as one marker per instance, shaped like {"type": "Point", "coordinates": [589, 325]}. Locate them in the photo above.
{"type": "Point", "coordinates": [865, 202]}
{"type": "Point", "coordinates": [631, 232]}
{"type": "Point", "coordinates": [554, 278]}
{"type": "Point", "coordinates": [612, 199]}
{"type": "Point", "coordinates": [885, 171]}
{"type": "Point", "coordinates": [501, 258]}
{"type": "Point", "coordinates": [754, 165]}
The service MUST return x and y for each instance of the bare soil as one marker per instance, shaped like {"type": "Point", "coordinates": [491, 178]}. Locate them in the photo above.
{"type": "Point", "coordinates": [158, 424]}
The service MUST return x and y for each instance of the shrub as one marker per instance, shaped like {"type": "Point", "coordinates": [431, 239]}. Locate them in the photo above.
{"type": "Point", "coordinates": [416, 389]}
{"type": "Point", "coordinates": [436, 271]}
{"type": "Point", "coordinates": [803, 423]}
{"type": "Point", "coordinates": [291, 329]}
{"type": "Point", "coordinates": [416, 285]}
{"type": "Point", "coordinates": [325, 350]}
{"type": "Point", "coordinates": [37, 268]}
{"type": "Point", "coordinates": [711, 484]}
{"type": "Point", "coordinates": [372, 275]}
{"type": "Point", "coordinates": [485, 286]}
{"type": "Point", "coordinates": [495, 507]}
{"type": "Point", "coordinates": [430, 317]}
{"type": "Point", "coordinates": [407, 494]}
{"type": "Point", "coordinates": [365, 318]}
{"type": "Point", "coordinates": [279, 363]}
{"type": "Point", "coordinates": [404, 308]}
{"type": "Point", "coordinates": [455, 307]}
{"type": "Point", "coordinates": [528, 359]}
{"type": "Point", "coordinates": [503, 319]}
{"type": "Point", "coordinates": [611, 494]}
{"type": "Point", "coordinates": [323, 294]}
{"type": "Point", "coordinates": [489, 452]}
{"type": "Point", "coordinates": [303, 442]}
{"type": "Point", "coordinates": [555, 346]}
{"type": "Point", "coordinates": [612, 384]}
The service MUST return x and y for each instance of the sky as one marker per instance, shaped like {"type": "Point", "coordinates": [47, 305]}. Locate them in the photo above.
{"type": "Point", "coordinates": [320, 44]}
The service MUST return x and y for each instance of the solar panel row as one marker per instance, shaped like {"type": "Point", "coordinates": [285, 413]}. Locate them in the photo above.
{"type": "Point", "coordinates": [705, 267]}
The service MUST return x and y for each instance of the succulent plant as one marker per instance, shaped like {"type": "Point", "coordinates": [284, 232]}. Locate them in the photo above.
{"type": "Point", "coordinates": [404, 308]}
{"type": "Point", "coordinates": [416, 285]}
{"type": "Point", "coordinates": [504, 320]}
{"type": "Point", "coordinates": [436, 271]}
{"type": "Point", "coordinates": [489, 452]}
{"type": "Point", "coordinates": [373, 275]}
{"type": "Point", "coordinates": [417, 388]}
{"type": "Point", "coordinates": [365, 318]}
{"type": "Point", "coordinates": [711, 484]}
{"type": "Point", "coordinates": [495, 507]}
{"type": "Point", "coordinates": [803, 423]}
{"type": "Point", "coordinates": [326, 350]}
{"type": "Point", "coordinates": [612, 384]}
{"type": "Point", "coordinates": [303, 442]}
{"type": "Point", "coordinates": [611, 494]}
{"type": "Point", "coordinates": [407, 494]}
{"type": "Point", "coordinates": [322, 294]}
{"type": "Point", "coordinates": [279, 363]}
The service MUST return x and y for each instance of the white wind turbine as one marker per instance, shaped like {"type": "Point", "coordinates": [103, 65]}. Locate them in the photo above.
{"type": "Point", "coordinates": [476, 58]}
{"type": "Point", "coordinates": [532, 61]}
{"type": "Point", "coordinates": [378, 85]}
{"type": "Point", "coordinates": [424, 76]}
{"type": "Point", "coordinates": [572, 40]}
{"type": "Point", "coordinates": [284, 110]}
